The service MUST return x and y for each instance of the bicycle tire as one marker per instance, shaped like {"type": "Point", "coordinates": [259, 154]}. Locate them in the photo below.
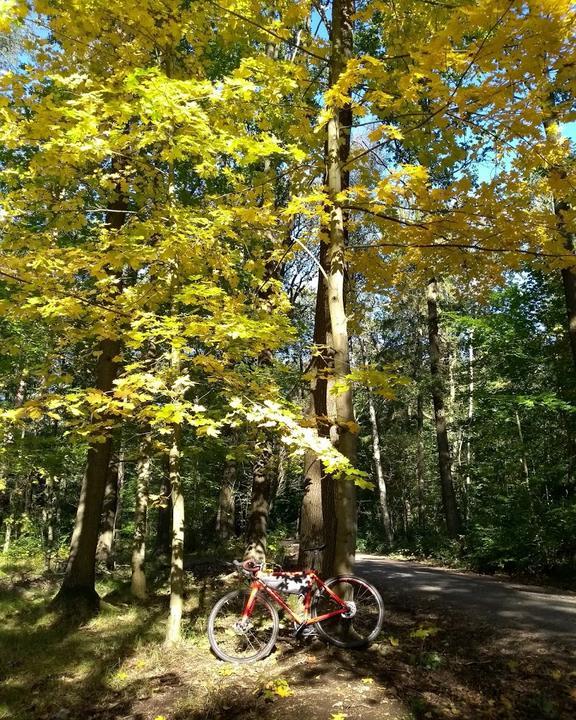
{"type": "Point", "coordinates": [363, 627]}
{"type": "Point", "coordinates": [233, 645]}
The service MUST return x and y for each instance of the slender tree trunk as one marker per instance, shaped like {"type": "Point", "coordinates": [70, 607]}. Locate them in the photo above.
{"type": "Point", "coordinates": [523, 458]}
{"type": "Point", "coordinates": [420, 464]}
{"type": "Point", "coordinates": [382, 489]}
{"type": "Point", "coordinates": [177, 564]}
{"type": "Point", "coordinates": [225, 521]}
{"type": "Point", "coordinates": [8, 440]}
{"type": "Point", "coordinates": [163, 540]}
{"type": "Point", "coordinates": [452, 515]}
{"type": "Point", "coordinates": [470, 419]}
{"type": "Point", "coordinates": [342, 431]}
{"type": "Point", "coordinates": [282, 471]}
{"type": "Point", "coordinates": [377, 459]}
{"type": "Point", "coordinates": [173, 627]}
{"type": "Point", "coordinates": [138, 581]}
{"type": "Point", "coordinates": [7, 533]}
{"type": "Point", "coordinates": [51, 513]}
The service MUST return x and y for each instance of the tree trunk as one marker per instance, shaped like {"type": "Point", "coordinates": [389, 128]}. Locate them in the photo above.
{"type": "Point", "coordinates": [80, 575]}
{"type": "Point", "coordinates": [382, 489]}
{"type": "Point", "coordinates": [105, 547]}
{"type": "Point", "coordinates": [8, 441]}
{"type": "Point", "coordinates": [317, 519]}
{"type": "Point", "coordinates": [420, 464]}
{"type": "Point", "coordinates": [163, 541]}
{"type": "Point", "coordinates": [377, 459]}
{"type": "Point", "coordinates": [7, 533]}
{"type": "Point", "coordinates": [469, 420]}
{"type": "Point", "coordinates": [257, 525]}
{"type": "Point", "coordinates": [523, 458]}
{"type": "Point", "coordinates": [342, 431]}
{"type": "Point", "coordinates": [225, 518]}
{"type": "Point", "coordinates": [177, 563]}
{"type": "Point", "coordinates": [138, 581]}
{"type": "Point", "coordinates": [561, 207]}
{"type": "Point", "coordinates": [451, 513]}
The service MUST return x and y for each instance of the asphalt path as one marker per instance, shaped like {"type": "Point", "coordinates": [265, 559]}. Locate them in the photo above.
{"type": "Point", "coordinates": [544, 613]}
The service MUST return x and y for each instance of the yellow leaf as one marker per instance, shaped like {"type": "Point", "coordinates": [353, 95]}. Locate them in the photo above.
{"type": "Point", "coordinates": [367, 681]}
{"type": "Point", "coordinates": [394, 641]}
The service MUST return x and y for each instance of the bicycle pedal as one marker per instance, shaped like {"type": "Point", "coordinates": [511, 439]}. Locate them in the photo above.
{"type": "Point", "coordinates": [304, 631]}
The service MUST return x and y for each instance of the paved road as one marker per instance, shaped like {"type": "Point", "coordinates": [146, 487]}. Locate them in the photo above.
{"type": "Point", "coordinates": [545, 614]}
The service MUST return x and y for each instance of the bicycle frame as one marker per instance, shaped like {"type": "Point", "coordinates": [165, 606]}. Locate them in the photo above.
{"type": "Point", "coordinates": [257, 586]}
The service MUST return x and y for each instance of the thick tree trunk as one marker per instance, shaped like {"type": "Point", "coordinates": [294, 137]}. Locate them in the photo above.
{"type": "Point", "coordinates": [225, 520]}
{"type": "Point", "coordinates": [561, 207]}
{"type": "Point", "coordinates": [138, 580]}
{"type": "Point", "coordinates": [317, 519]}
{"type": "Point", "coordinates": [342, 431]}
{"type": "Point", "coordinates": [80, 575]}
{"type": "Point", "coordinates": [257, 525]}
{"type": "Point", "coordinates": [451, 513]}
{"type": "Point", "coordinates": [177, 563]}
{"type": "Point", "coordinates": [105, 547]}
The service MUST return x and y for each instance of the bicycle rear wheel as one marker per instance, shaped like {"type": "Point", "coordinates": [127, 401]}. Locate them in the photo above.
{"type": "Point", "coordinates": [361, 624]}
{"type": "Point", "coordinates": [234, 640]}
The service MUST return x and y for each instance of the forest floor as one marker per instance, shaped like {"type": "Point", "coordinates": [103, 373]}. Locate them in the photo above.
{"type": "Point", "coordinates": [430, 663]}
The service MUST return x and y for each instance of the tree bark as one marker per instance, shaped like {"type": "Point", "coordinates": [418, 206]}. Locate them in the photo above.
{"type": "Point", "coordinates": [382, 489]}
{"type": "Point", "coordinates": [377, 460]}
{"type": "Point", "coordinates": [451, 513]}
{"type": "Point", "coordinates": [138, 580]}
{"type": "Point", "coordinates": [342, 431]}
{"type": "Point", "coordinates": [80, 575]}
{"type": "Point", "coordinates": [177, 563]}
{"type": "Point", "coordinates": [257, 525]}
{"type": "Point", "coordinates": [317, 519]}
{"type": "Point", "coordinates": [105, 547]}
{"type": "Point", "coordinates": [163, 542]}
{"type": "Point", "coordinates": [225, 521]}
{"type": "Point", "coordinates": [469, 420]}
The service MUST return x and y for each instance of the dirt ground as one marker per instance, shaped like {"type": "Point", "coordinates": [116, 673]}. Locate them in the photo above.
{"type": "Point", "coordinates": [431, 664]}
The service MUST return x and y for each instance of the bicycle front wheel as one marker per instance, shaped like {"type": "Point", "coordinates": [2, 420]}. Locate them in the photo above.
{"type": "Point", "coordinates": [243, 641]}
{"type": "Point", "coordinates": [360, 625]}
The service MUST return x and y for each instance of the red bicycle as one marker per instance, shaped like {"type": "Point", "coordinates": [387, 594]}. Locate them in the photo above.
{"type": "Point", "coordinates": [243, 626]}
